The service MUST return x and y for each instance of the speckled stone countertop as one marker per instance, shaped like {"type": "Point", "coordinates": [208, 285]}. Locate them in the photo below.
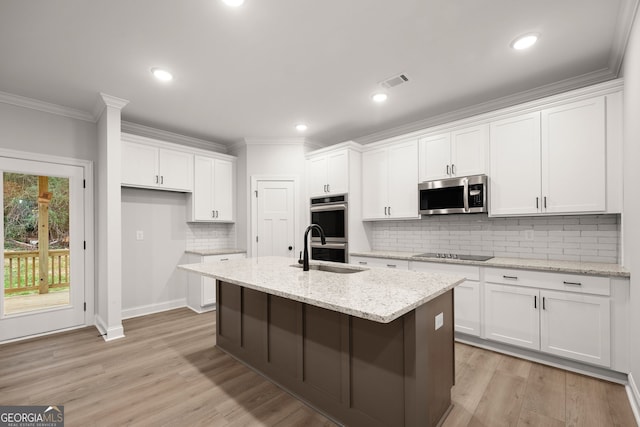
{"type": "Point", "coordinates": [206, 252]}
{"type": "Point", "coordinates": [571, 267]}
{"type": "Point", "coordinates": [375, 294]}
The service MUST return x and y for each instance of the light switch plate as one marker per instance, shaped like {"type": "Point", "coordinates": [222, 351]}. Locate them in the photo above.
{"type": "Point", "coordinates": [139, 235]}
{"type": "Point", "coordinates": [439, 321]}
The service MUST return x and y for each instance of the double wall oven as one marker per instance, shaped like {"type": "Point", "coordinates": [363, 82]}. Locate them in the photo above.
{"type": "Point", "coordinates": [330, 213]}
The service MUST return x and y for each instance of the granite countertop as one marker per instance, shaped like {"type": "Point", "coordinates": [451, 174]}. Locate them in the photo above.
{"type": "Point", "coordinates": [571, 267]}
{"type": "Point", "coordinates": [225, 251]}
{"type": "Point", "coordinates": [375, 294]}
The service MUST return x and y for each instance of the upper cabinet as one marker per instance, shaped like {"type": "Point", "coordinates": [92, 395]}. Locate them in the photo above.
{"type": "Point", "coordinates": [328, 173]}
{"type": "Point", "coordinates": [461, 152]}
{"type": "Point", "coordinates": [149, 164]}
{"type": "Point", "coordinates": [550, 161]}
{"type": "Point", "coordinates": [390, 182]}
{"type": "Point", "coordinates": [213, 193]}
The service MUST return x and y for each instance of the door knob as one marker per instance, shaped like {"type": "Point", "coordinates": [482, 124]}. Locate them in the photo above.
{"type": "Point", "coordinates": [290, 248]}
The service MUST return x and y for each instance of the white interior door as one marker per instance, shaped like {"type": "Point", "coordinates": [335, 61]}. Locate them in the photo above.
{"type": "Point", "coordinates": [275, 214]}
{"type": "Point", "coordinates": [25, 307]}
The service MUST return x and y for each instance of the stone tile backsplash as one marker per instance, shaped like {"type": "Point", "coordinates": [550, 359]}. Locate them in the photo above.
{"type": "Point", "coordinates": [589, 238]}
{"type": "Point", "coordinates": [210, 236]}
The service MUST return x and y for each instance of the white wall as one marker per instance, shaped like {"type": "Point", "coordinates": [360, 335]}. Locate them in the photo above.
{"type": "Point", "coordinates": [631, 216]}
{"type": "Point", "coordinates": [150, 279]}
{"type": "Point", "coordinates": [260, 158]}
{"type": "Point", "coordinates": [44, 133]}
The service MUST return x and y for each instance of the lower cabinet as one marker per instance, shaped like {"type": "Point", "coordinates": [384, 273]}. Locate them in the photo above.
{"type": "Point", "coordinates": [201, 293]}
{"type": "Point", "coordinates": [466, 296]}
{"type": "Point", "coordinates": [400, 264]}
{"type": "Point", "coordinates": [571, 325]}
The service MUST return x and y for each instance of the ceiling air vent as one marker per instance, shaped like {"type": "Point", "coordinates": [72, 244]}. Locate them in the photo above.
{"type": "Point", "coordinates": [395, 81]}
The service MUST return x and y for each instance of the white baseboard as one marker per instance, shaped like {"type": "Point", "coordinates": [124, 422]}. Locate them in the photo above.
{"type": "Point", "coordinates": [634, 398]}
{"type": "Point", "coordinates": [143, 310]}
{"type": "Point", "coordinates": [109, 334]}
{"type": "Point", "coordinates": [203, 310]}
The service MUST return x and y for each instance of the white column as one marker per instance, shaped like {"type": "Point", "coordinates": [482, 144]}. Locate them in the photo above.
{"type": "Point", "coordinates": [109, 239]}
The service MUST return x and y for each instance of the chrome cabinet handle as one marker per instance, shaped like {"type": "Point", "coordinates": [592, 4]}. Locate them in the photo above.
{"type": "Point", "coordinates": [389, 210]}
{"type": "Point", "coordinates": [391, 265]}
{"type": "Point", "coordinates": [328, 188]}
{"type": "Point", "coordinates": [537, 204]}
{"type": "Point", "coordinates": [363, 262]}
{"type": "Point", "coordinates": [224, 259]}
{"type": "Point", "coordinates": [161, 179]}
{"type": "Point", "coordinates": [157, 179]}
{"type": "Point", "coordinates": [572, 283]}
{"type": "Point", "coordinates": [545, 202]}
{"type": "Point", "coordinates": [511, 277]}
{"type": "Point", "coordinates": [448, 170]}
{"type": "Point", "coordinates": [385, 211]}
{"type": "Point", "coordinates": [453, 169]}
{"type": "Point", "coordinates": [213, 214]}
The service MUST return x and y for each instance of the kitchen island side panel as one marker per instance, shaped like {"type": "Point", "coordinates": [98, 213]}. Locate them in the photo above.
{"type": "Point", "coordinates": [356, 371]}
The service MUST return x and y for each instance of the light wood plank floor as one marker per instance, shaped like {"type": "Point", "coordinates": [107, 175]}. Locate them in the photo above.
{"type": "Point", "coordinates": [167, 371]}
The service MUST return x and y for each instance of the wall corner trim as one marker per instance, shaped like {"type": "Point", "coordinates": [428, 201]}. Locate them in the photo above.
{"type": "Point", "coordinates": [109, 334]}
{"type": "Point", "coordinates": [634, 398]}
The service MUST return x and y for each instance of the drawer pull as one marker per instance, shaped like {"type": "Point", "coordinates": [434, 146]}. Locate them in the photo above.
{"type": "Point", "coordinates": [535, 301]}
{"type": "Point", "coordinates": [544, 305]}
{"type": "Point", "coordinates": [362, 262]}
{"type": "Point", "coordinates": [391, 265]}
{"type": "Point", "coordinates": [511, 277]}
{"type": "Point", "coordinates": [572, 283]}
{"type": "Point", "coordinates": [224, 259]}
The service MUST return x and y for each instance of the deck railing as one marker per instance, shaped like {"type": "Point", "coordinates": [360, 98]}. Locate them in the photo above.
{"type": "Point", "coordinates": [21, 270]}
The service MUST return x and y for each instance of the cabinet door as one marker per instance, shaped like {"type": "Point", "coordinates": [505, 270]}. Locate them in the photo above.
{"type": "Point", "coordinates": [203, 189]}
{"type": "Point", "coordinates": [139, 164]}
{"type": "Point", "coordinates": [435, 157]}
{"type": "Point", "coordinates": [576, 326]}
{"type": "Point", "coordinates": [403, 180]}
{"type": "Point", "coordinates": [469, 151]}
{"type": "Point", "coordinates": [176, 170]}
{"type": "Point", "coordinates": [511, 315]}
{"type": "Point", "coordinates": [574, 157]}
{"type": "Point", "coordinates": [467, 307]}
{"type": "Point", "coordinates": [338, 172]}
{"type": "Point", "coordinates": [515, 165]}
{"type": "Point", "coordinates": [375, 184]}
{"type": "Point", "coordinates": [223, 179]}
{"type": "Point", "coordinates": [317, 176]}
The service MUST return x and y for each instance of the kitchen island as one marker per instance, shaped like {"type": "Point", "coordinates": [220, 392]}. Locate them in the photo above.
{"type": "Point", "coordinates": [366, 347]}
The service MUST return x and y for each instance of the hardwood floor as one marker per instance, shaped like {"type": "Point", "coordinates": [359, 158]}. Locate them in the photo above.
{"type": "Point", "coordinates": [167, 371]}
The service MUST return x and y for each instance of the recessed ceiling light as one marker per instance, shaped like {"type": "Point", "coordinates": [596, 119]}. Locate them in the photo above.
{"type": "Point", "coordinates": [233, 3]}
{"type": "Point", "coordinates": [379, 97]}
{"type": "Point", "coordinates": [161, 74]}
{"type": "Point", "coordinates": [524, 42]}
{"type": "Point", "coordinates": [301, 127]}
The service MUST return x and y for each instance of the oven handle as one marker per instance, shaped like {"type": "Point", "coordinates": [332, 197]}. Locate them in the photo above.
{"type": "Point", "coordinates": [339, 206]}
{"type": "Point", "coordinates": [329, 245]}
{"type": "Point", "coordinates": [465, 183]}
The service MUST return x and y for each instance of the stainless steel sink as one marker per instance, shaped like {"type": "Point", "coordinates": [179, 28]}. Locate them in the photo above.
{"type": "Point", "coordinates": [332, 268]}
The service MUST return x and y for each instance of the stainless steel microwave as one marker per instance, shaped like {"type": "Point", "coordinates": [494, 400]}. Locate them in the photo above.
{"type": "Point", "coordinates": [467, 194]}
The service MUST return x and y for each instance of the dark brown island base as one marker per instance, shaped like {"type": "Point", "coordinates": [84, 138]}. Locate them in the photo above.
{"type": "Point", "coordinates": [356, 371]}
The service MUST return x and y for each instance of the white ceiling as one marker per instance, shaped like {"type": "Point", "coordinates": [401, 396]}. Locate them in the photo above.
{"type": "Point", "coordinates": [257, 70]}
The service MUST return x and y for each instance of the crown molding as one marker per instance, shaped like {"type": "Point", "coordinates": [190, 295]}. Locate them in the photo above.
{"type": "Point", "coordinates": [46, 107]}
{"type": "Point", "coordinates": [347, 144]}
{"type": "Point", "coordinates": [149, 132]}
{"type": "Point", "coordinates": [556, 88]}
{"type": "Point", "coordinates": [104, 101]}
{"type": "Point", "coordinates": [274, 141]}
{"type": "Point", "coordinates": [626, 18]}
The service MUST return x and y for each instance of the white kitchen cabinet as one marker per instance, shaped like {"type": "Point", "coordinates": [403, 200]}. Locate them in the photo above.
{"type": "Point", "coordinates": [201, 292]}
{"type": "Point", "coordinates": [213, 193]}
{"type": "Point", "coordinates": [550, 161]}
{"type": "Point", "coordinates": [467, 301]}
{"type": "Point", "coordinates": [565, 315]}
{"type": "Point", "coordinates": [363, 261]}
{"type": "Point", "coordinates": [511, 315]}
{"type": "Point", "coordinates": [390, 182]}
{"type": "Point", "coordinates": [576, 326]}
{"type": "Point", "coordinates": [328, 173]}
{"type": "Point", "coordinates": [150, 166]}
{"type": "Point", "coordinates": [462, 152]}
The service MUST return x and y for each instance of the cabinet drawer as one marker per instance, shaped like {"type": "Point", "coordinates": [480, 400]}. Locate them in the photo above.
{"type": "Point", "coordinates": [224, 257]}
{"type": "Point", "coordinates": [400, 264]}
{"type": "Point", "coordinates": [553, 281]}
{"type": "Point", "coordinates": [468, 271]}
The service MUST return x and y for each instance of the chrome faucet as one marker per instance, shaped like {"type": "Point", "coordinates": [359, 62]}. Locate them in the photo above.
{"type": "Point", "coordinates": [305, 258]}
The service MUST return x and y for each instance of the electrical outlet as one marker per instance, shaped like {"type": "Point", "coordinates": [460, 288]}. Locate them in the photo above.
{"type": "Point", "coordinates": [139, 235]}
{"type": "Point", "coordinates": [439, 321]}
{"type": "Point", "coordinates": [528, 235]}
